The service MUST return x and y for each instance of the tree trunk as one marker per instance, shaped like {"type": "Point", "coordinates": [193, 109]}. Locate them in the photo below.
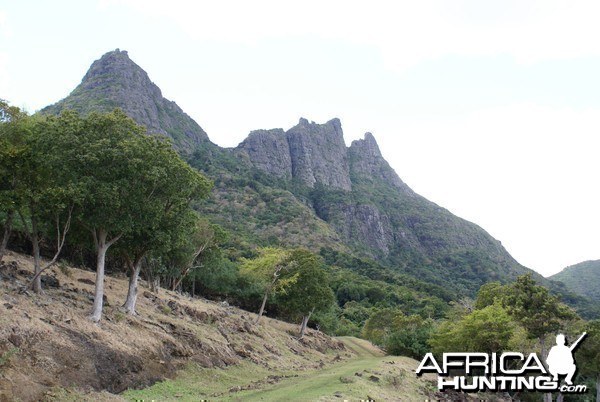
{"type": "Point", "coordinates": [60, 242]}
{"type": "Point", "coordinates": [267, 290]}
{"type": "Point", "coordinates": [35, 242]}
{"type": "Point", "coordinates": [560, 398]}
{"type": "Point", "coordinates": [177, 282]}
{"type": "Point", "coordinates": [135, 269]}
{"type": "Point", "coordinates": [102, 246]}
{"type": "Point", "coordinates": [153, 282]}
{"type": "Point", "coordinates": [305, 323]}
{"type": "Point", "coordinates": [262, 306]}
{"type": "Point", "coordinates": [6, 235]}
{"type": "Point", "coordinates": [155, 285]}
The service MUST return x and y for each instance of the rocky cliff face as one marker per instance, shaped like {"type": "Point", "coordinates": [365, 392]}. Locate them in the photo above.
{"type": "Point", "coordinates": [319, 154]}
{"type": "Point", "coordinates": [269, 151]}
{"type": "Point", "coordinates": [116, 81]}
{"type": "Point", "coordinates": [308, 152]}
{"type": "Point", "coordinates": [366, 161]}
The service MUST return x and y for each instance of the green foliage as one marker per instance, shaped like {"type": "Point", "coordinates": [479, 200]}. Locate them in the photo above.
{"type": "Point", "coordinates": [588, 360]}
{"type": "Point", "coordinates": [582, 278]}
{"type": "Point", "coordinates": [261, 268]}
{"type": "Point", "coordinates": [306, 289]}
{"type": "Point", "coordinates": [399, 334]}
{"type": "Point", "coordinates": [489, 294]}
{"type": "Point", "coordinates": [218, 277]}
{"type": "Point", "coordinates": [13, 153]}
{"type": "Point", "coordinates": [489, 329]}
{"type": "Point", "coordinates": [533, 307]}
{"type": "Point", "coordinates": [7, 355]}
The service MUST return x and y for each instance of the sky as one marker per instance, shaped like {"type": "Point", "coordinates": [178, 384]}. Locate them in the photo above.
{"type": "Point", "coordinates": [490, 109]}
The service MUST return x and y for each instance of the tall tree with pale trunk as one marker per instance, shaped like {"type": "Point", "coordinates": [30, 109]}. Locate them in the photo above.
{"type": "Point", "coordinates": [265, 272]}
{"type": "Point", "coordinates": [308, 292]}
{"type": "Point", "coordinates": [166, 214]}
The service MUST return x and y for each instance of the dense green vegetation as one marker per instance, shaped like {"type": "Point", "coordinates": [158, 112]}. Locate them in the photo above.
{"type": "Point", "coordinates": [521, 316]}
{"type": "Point", "coordinates": [582, 278]}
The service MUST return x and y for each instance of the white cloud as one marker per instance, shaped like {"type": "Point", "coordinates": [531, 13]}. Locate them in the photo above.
{"type": "Point", "coordinates": [405, 32]}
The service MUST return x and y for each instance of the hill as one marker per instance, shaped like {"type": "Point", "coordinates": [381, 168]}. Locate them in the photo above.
{"type": "Point", "coordinates": [582, 278]}
{"type": "Point", "coordinates": [189, 349]}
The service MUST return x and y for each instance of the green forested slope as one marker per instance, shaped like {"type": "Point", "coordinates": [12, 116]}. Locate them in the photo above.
{"type": "Point", "coordinates": [582, 278]}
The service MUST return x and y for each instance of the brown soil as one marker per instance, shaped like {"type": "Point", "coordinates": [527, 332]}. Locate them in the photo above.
{"type": "Point", "coordinates": [47, 342]}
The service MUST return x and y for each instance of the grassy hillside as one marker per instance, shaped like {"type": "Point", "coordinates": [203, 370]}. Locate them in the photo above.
{"type": "Point", "coordinates": [582, 278]}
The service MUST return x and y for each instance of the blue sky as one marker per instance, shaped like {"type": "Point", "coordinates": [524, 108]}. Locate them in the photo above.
{"type": "Point", "coordinates": [488, 108]}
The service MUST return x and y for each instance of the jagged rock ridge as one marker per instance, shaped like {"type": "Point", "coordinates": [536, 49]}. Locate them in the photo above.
{"type": "Point", "coordinates": [316, 154]}
{"type": "Point", "coordinates": [308, 152]}
{"type": "Point", "coordinates": [116, 81]}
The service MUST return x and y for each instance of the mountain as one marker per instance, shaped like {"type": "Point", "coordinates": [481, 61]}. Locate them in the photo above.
{"type": "Point", "coordinates": [115, 81]}
{"type": "Point", "coordinates": [303, 187]}
{"type": "Point", "coordinates": [582, 278]}
{"type": "Point", "coordinates": [356, 192]}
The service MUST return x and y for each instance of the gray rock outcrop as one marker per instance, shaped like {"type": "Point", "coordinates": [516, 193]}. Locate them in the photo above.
{"type": "Point", "coordinates": [115, 81]}
{"type": "Point", "coordinates": [308, 152]}
{"type": "Point", "coordinates": [319, 155]}
{"type": "Point", "coordinates": [269, 151]}
{"type": "Point", "coordinates": [366, 160]}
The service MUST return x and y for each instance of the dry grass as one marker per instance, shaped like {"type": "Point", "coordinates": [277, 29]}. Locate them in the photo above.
{"type": "Point", "coordinates": [62, 349]}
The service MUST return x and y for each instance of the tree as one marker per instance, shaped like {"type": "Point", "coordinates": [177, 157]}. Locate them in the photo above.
{"type": "Point", "coordinates": [536, 310]}
{"type": "Point", "coordinates": [265, 272]}
{"type": "Point", "coordinates": [46, 190]}
{"type": "Point", "coordinates": [490, 293]}
{"type": "Point", "coordinates": [398, 333]}
{"type": "Point", "coordinates": [309, 290]}
{"type": "Point", "coordinates": [201, 236]}
{"type": "Point", "coordinates": [165, 217]}
{"type": "Point", "coordinates": [11, 153]}
{"type": "Point", "coordinates": [485, 330]}
{"type": "Point", "coordinates": [533, 307]}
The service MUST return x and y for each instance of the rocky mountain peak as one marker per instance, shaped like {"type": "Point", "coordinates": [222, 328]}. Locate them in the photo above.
{"type": "Point", "coordinates": [366, 160]}
{"type": "Point", "coordinates": [367, 147]}
{"type": "Point", "coordinates": [116, 67]}
{"type": "Point", "coordinates": [308, 152]}
{"type": "Point", "coordinates": [116, 81]}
